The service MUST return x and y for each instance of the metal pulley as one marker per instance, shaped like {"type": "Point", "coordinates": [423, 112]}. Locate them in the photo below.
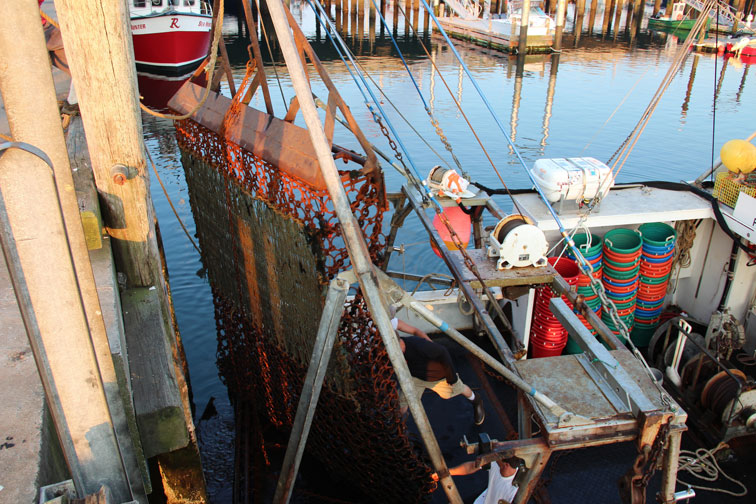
{"type": "Point", "coordinates": [517, 243]}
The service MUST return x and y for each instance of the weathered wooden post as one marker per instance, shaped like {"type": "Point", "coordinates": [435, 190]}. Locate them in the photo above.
{"type": "Point", "coordinates": [44, 247]}
{"type": "Point", "coordinates": [415, 16]}
{"type": "Point", "coordinates": [618, 16]}
{"type": "Point", "coordinates": [522, 41]}
{"type": "Point", "coordinates": [98, 44]}
{"type": "Point", "coordinates": [579, 17]}
{"type": "Point", "coordinates": [407, 14]}
{"type": "Point", "coordinates": [561, 10]}
{"type": "Point", "coordinates": [608, 9]}
{"type": "Point", "coordinates": [592, 16]}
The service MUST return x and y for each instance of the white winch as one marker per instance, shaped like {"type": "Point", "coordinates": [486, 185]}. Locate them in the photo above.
{"type": "Point", "coordinates": [446, 182]}
{"type": "Point", "coordinates": [517, 243]}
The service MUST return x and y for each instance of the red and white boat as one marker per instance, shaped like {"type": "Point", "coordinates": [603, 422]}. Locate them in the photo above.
{"type": "Point", "coordinates": [170, 36]}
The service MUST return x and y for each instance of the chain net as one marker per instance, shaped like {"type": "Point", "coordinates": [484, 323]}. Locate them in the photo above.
{"type": "Point", "coordinates": [271, 244]}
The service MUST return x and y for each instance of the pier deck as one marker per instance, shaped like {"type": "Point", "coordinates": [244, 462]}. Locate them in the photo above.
{"type": "Point", "coordinates": [490, 33]}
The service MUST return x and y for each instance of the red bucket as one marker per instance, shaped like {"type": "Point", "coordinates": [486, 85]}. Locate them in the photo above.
{"type": "Point", "coordinates": [567, 268]}
{"type": "Point", "coordinates": [537, 351]}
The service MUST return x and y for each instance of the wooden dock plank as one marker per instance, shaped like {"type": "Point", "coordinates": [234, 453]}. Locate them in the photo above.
{"type": "Point", "coordinates": [499, 278]}
{"type": "Point", "coordinates": [159, 411]}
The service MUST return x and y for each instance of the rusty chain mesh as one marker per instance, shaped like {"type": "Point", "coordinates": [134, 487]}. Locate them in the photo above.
{"type": "Point", "coordinates": [270, 246]}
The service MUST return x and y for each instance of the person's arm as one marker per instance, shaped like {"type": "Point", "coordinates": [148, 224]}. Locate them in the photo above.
{"type": "Point", "coordinates": [460, 470]}
{"type": "Point", "coordinates": [410, 329]}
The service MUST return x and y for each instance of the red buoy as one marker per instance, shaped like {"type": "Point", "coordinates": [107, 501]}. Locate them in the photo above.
{"type": "Point", "coordinates": [461, 224]}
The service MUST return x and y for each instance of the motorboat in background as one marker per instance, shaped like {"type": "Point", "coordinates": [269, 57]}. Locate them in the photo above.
{"type": "Point", "coordinates": [170, 36]}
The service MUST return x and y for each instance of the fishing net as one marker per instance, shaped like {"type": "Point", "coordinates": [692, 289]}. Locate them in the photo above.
{"type": "Point", "coordinates": [271, 243]}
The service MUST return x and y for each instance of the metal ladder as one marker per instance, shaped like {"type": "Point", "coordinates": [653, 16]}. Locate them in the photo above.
{"type": "Point", "coordinates": [727, 15]}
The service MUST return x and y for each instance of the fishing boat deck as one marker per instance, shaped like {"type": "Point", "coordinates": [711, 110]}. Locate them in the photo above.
{"type": "Point", "coordinates": [632, 205]}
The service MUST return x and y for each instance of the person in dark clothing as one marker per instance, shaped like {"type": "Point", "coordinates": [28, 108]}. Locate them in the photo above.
{"type": "Point", "coordinates": [431, 368]}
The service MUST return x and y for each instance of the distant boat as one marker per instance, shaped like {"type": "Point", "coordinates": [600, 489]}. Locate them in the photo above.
{"type": "Point", "coordinates": [676, 20]}
{"type": "Point", "coordinates": [539, 23]}
{"type": "Point", "coordinates": [170, 36]}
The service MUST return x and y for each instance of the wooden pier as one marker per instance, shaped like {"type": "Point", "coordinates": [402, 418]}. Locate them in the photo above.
{"type": "Point", "coordinates": [92, 310]}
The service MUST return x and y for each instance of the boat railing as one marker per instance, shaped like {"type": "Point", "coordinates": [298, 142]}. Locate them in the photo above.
{"type": "Point", "coordinates": [726, 14]}
{"type": "Point", "coordinates": [157, 6]}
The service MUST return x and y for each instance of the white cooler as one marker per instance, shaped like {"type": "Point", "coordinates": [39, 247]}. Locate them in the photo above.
{"type": "Point", "coordinates": [579, 179]}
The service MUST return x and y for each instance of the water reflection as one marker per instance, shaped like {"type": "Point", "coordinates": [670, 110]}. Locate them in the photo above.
{"type": "Point", "coordinates": [156, 90]}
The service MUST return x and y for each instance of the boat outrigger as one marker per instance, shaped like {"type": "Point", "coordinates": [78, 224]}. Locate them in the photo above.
{"type": "Point", "coordinates": [577, 334]}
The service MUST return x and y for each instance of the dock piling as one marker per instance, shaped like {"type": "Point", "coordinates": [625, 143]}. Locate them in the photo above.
{"type": "Point", "coordinates": [522, 42]}
{"type": "Point", "coordinates": [561, 14]}
{"type": "Point", "coordinates": [29, 96]}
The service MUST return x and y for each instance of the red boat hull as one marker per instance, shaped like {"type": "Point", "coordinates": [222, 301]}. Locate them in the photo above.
{"type": "Point", "coordinates": [170, 41]}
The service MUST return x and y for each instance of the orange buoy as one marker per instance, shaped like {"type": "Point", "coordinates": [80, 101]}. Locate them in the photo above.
{"type": "Point", "coordinates": [461, 224]}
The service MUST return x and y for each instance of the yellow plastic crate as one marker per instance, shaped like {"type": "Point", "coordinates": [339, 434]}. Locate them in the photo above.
{"type": "Point", "coordinates": [727, 189]}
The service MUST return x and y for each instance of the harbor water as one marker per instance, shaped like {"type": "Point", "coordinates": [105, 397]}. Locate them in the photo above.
{"type": "Point", "coordinates": [582, 102]}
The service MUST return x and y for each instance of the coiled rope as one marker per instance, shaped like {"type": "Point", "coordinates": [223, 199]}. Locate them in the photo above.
{"type": "Point", "coordinates": [703, 465]}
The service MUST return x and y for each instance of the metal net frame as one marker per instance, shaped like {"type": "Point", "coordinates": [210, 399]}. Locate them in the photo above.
{"type": "Point", "coordinates": [266, 334]}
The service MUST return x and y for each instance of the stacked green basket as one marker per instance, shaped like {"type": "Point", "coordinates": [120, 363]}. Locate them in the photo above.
{"type": "Point", "coordinates": [621, 272]}
{"type": "Point", "coordinates": [591, 247]}
{"type": "Point", "coordinates": [656, 266]}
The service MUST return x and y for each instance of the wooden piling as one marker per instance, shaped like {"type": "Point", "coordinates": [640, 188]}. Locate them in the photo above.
{"type": "Point", "coordinates": [608, 10]}
{"type": "Point", "coordinates": [561, 11]}
{"type": "Point", "coordinates": [415, 16]}
{"type": "Point", "coordinates": [97, 41]}
{"type": "Point", "coordinates": [657, 7]}
{"type": "Point", "coordinates": [47, 257]}
{"type": "Point", "coordinates": [592, 16]}
{"type": "Point", "coordinates": [407, 14]}
{"type": "Point", "coordinates": [579, 17]}
{"type": "Point", "coordinates": [617, 17]}
{"type": "Point", "coordinates": [522, 42]}
{"type": "Point", "coordinates": [637, 16]}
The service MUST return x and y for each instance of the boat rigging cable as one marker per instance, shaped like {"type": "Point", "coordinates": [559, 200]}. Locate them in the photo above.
{"type": "Point", "coordinates": [459, 107]}
{"type": "Point", "coordinates": [623, 151]}
{"type": "Point", "coordinates": [425, 191]}
{"type": "Point", "coordinates": [272, 59]}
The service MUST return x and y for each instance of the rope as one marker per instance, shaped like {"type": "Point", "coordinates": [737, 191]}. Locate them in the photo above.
{"type": "Point", "coordinates": [686, 234]}
{"type": "Point", "coordinates": [6, 137]}
{"type": "Point", "coordinates": [165, 191]}
{"type": "Point", "coordinates": [333, 36]}
{"type": "Point", "coordinates": [703, 465]}
{"type": "Point", "coordinates": [272, 60]}
{"type": "Point", "coordinates": [714, 105]}
{"type": "Point", "coordinates": [211, 70]}
{"type": "Point", "coordinates": [459, 107]}
{"type": "Point", "coordinates": [624, 150]}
